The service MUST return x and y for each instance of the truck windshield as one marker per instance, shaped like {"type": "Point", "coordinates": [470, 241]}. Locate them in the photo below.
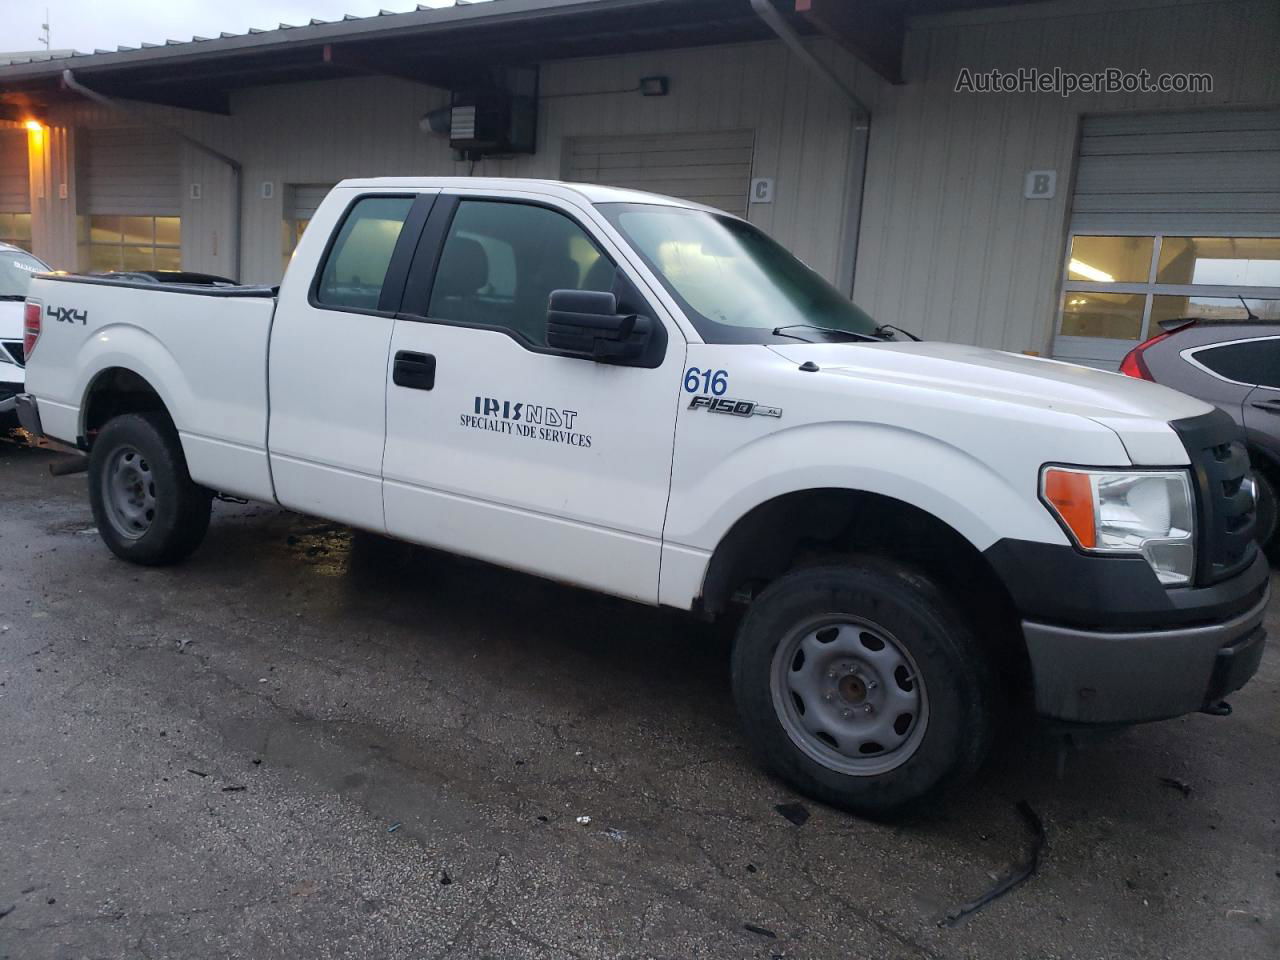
{"type": "Point", "coordinates": [16, 269]}
{"type": "Point", "coordinates": [733, 281]}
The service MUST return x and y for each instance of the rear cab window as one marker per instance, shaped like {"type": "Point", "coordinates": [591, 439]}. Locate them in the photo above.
{"type": "Point", "coordinates": [356, 264]}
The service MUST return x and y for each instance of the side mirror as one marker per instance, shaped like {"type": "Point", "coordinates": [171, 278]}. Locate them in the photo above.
{"type": "Point", "coordinates": [588, 322]}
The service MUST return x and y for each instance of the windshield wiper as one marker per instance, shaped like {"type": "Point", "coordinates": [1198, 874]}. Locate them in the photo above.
{"type": "Point", "coordinates": [782, 332]}
{"type": "Point", "coordinates": [889, 326]}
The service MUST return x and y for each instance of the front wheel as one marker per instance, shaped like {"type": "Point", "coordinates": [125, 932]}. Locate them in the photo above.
{"type": "Point", "coordinates": [863, 686]}
{"type": "Point", "coordinates": [147, 507]}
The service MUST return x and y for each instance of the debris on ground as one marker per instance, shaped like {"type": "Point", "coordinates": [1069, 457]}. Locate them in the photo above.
{"type": "Point", "coordinates": [5, 911]}
{"type": "Point", "coordinates": [394, 827]}
{"type": "Point", "coordinates": [1014, 879]}
{"type": "Point", "coordinates": [234, 788]}
{"type": "Point", "coordinates": [184, 643]}
{"type": "Point", "coordinates": [445, 879]}
{"type": "Point", "coordinates": [762, 931]}
{"type": "Point", "coordinates": [1180, 785]}
{"type": "Point", "coordinates": [613, 833]}
{"type": "Point", "coordinates": [198, 773]}
{"type": "Point", "coordinates": [584, 820]}
{"type": "Point", "coordinates": [751, 868]}
{"type": "Point", "coordinates": [797, 813]}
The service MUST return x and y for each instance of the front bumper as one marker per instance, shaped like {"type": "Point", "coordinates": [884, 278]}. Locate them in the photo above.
{"type": "Point", "coordinates": [1102, 677]}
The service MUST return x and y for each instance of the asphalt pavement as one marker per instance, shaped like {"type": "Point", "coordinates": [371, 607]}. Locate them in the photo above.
{"type": "Point", "coordinates": [309, 743]}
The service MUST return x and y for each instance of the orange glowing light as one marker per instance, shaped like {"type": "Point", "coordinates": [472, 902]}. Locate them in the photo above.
{"type": "Point", "coordinates": [34, 126]}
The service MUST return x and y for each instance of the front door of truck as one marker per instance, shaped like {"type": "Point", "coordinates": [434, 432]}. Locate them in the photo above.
{"type": "Point", "coordinates": [502, 448]}
{"type": "Point", "coordinates": [328, 361]}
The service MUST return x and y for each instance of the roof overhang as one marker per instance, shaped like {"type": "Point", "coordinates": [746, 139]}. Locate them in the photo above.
{"type": "Point", "coordinates": [452, 47]}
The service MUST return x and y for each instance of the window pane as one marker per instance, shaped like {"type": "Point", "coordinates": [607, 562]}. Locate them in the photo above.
{"type": "Point", "coordinates": [6, 225]}
{"type": "Point", "coordinates": [102, 259]}
{"type": "Point", "coordinates": [168, 258]}
{"type": "Point", "coordinates": [1116, 316]}
{"type": "Point", "coordinates": [138, 230]}
{"type": "Point", "coordinates": [357, 265]}
{"type": "Point", "coordinates": [1257, 362]}
{"type": "Point", "coordinates": [104, 229]}
{"type": "Point", "coordinates": [1111, 259]}
{"type": "Point", "coordinates": [138, 258]}
{"type": "Point", "coordinates": [169, 230]}
{"type": "Point", "coordinates": [1164, 307]}
{"type": "Point", "coordinates": [21, 227]}
{"type": "Point", "coordinates": [1220, 261]}
{"type": "Point", "coordinates": [501, 261]}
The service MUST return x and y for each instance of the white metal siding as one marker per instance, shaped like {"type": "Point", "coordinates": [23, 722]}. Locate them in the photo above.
{"type": "Point", "coordinates": [711, 168]}
{"type": "Point", "coordinates": [1202, 173]}
{"type": "Point", "coordinates": [949, 247]}
{"type": "Point", "coordinates": [15, 179]}
{"type": "Point", "coordinates": [133, 170]}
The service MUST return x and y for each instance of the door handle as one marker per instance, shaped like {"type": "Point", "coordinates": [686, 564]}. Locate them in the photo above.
{"type": "Point", "coordinates": [1271, 406]}
{"type": "Point", "coordinates": [417, 371]}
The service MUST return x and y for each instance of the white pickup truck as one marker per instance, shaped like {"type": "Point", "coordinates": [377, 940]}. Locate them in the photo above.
{"type": "Point", "coordinates": [652, 399]}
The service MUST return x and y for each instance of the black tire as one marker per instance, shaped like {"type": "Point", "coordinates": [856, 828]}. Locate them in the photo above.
{"type": "Point", "coordinates": [1268, 529]}
{"type": "Point", "coordinates": [957, 695]}
{"type": "Point", "coordinates": [177, 523]}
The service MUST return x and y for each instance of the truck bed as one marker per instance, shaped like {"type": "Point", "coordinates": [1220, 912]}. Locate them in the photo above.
{"type": "Point", "coordinates": [202, 348]}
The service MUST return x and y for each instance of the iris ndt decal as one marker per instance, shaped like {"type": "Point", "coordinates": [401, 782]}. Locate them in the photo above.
{"type": "Point", "coordinates": [534, 421]}
{"type": "Point", "coordinates": [735, 408]}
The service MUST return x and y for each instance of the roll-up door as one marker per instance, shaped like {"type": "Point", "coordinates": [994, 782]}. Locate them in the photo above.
{"type": "Point", "coordinates": [1173, 215]}
{"type": "Point", "coordinates": [1205, 173]}
{"type": "Point", "coordinates": [710, 168]}
{"type": "Point", "coordinates": [133, 171]}
{"type": "Point", "coordinates": [15, 179]}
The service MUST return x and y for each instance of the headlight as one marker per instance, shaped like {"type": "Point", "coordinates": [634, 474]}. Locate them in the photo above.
{"type": "Point", "coordinates": [1146, 512]}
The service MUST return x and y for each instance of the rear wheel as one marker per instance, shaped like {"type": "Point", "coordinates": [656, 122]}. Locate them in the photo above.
{"type": "Point", "coordinates": [862, 686]}
{"type": "Point", "coordinates": [147, 507]}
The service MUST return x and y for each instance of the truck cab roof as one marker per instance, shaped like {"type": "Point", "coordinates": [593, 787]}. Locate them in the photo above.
{"type": "Point", "coordinates": [591, 192]}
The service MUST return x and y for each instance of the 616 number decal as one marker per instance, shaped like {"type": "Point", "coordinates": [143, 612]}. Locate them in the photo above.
{"type": "Point", "coordinates": [714, 382]}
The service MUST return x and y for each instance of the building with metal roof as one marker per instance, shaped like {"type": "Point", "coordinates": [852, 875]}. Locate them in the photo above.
{"type": "Point", "coordinates": [864, 136]}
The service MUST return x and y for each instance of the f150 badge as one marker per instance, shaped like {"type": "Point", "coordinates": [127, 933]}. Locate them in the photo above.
{"type": "Point", "coordinates": [736, 408]}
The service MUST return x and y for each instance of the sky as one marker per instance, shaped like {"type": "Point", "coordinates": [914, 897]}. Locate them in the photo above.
{"type": "Point", "coordinates": [87, 24]}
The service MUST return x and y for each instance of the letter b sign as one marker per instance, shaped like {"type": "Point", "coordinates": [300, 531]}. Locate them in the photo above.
{"type": "Point", "coordinates": [1040, 184]}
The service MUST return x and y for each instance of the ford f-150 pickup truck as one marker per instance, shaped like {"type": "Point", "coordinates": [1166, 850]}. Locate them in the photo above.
{"type": "Point", "coordinates": [653, 399]}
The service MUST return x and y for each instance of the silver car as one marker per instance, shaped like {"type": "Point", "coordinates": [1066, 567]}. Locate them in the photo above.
{"type": "Point", "coordinates": [1236, 366]}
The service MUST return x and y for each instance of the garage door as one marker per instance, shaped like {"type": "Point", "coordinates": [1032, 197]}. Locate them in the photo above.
{"type": "Point", "coordinates": [710, 168]}
{"type": "Point", "coordinates": [1174, 214]}
{"type": "Point", "coordinates": [133, 171]}
{"type": "Point", "coordinates": [132, 189]}
{"type": "Point", "coordinates": [15, 195]}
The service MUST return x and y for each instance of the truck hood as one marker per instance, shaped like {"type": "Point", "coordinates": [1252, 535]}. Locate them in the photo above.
{"type": "Point", "coordinates": [11, 319]}
{"type": "Point", "coordinates": [1137, 410]}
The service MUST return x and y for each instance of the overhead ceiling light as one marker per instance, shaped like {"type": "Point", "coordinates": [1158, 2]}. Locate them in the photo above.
{"type": "Point", "coordinates": [1090, 273]}
{"type": "Point", "coordinates": [35, 126]}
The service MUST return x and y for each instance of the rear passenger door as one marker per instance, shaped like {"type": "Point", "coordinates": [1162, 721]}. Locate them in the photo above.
{"type": "Point", "coordinates": [328, 359]}
{"type": "Point", "coordinates": [503, 448]}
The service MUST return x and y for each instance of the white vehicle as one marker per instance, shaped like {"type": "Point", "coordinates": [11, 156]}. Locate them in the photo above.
{"type": "Point", "coordinates": [17, 267]}
{"type": "Point", "coordinates": [653, 399]}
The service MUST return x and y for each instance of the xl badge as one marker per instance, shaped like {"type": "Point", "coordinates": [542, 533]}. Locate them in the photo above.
{"type": "Point", "coordinates": [736, 408]}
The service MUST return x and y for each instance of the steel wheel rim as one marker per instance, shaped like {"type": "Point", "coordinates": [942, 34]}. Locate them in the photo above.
{"type": "Point", "coordinates": [849, 695]}
{"type": "Point", "coordinates": [129, 493]}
